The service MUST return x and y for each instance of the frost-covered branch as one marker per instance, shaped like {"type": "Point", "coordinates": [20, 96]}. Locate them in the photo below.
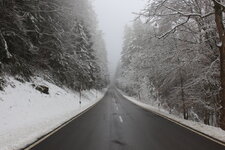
{"type": "Point", "coordinates": [187, 14]}
{"type": "Point", "coordinates": [173, 29]}
{"type": "Point", "coordinates": [220, 4]}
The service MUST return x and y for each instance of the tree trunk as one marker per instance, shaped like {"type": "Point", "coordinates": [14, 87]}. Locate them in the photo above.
{"type": "Point", "coordinates": [139, 95]}
{"type": "Point", "coordinates": [4, 53]}
{"type": "Point", "coordinates": [206, 117]}
{"type": "Point", "coordinates": [185, 113]}
{"type": "Point", "coordinates": [221, 31]}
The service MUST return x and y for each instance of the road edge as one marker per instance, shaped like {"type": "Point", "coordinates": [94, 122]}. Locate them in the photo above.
{"type": "Point", "coordinates": [218, 141]}
{"type": "Point", "coordinates": [44, 137]}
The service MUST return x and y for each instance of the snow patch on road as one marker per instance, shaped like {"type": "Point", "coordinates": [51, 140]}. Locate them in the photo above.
{"type": "Point", "coordinates": [215, 132]}
{"type": "Point", "coordinates": [26, 114]}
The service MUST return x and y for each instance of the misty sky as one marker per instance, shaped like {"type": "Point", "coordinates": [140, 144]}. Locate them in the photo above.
{"type": "Point", "coordinates": [113, 15]}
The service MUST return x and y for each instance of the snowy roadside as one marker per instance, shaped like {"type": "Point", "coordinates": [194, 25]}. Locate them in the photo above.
{"type": "Point", "coordinates": [214, 132]}
{"type": "Point", "coordinates": [26, 114]}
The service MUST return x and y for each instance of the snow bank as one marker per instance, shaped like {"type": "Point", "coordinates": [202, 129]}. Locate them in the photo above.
{"type": "Point", "coordinates": [214, 132]}
{"type": "Point", "coordinates": [26, 114]}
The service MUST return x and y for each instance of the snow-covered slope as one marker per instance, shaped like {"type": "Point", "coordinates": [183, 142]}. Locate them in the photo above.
{"type": "Point", "coordinates": [208, 130]}
{"type": "Point", "coordinates": [26, 114]}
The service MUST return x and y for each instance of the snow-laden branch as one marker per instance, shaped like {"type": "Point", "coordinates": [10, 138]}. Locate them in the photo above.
{"type": "Point", "coordinates": [175, 12]}
{"type": "Point", "coordinates": [220, 4]}
{"type": "Point", "coordinates": [173, 29]}
{"type": "Point", "coordinates": [187, 14]}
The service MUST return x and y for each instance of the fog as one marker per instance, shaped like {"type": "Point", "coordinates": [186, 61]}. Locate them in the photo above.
{"type": "Point", "coordinates": [113, 15]}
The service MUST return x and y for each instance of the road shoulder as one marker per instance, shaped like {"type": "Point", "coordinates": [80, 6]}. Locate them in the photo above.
{"type": "Point", "coordinates": [80, 113]}
{"type": "Point", "coordinates": [212, 133]}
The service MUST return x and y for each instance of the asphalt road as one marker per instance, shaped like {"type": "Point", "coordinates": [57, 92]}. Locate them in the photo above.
{"type": "Point", "coordinates": [117, 124]}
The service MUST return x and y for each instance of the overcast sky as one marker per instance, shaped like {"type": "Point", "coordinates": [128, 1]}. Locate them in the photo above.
{"type": "Point", "coordinates": [113, 15]}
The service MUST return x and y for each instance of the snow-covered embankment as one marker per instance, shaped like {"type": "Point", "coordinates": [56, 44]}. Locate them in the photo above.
{"type": "Point", "coordinates": [26, 114]}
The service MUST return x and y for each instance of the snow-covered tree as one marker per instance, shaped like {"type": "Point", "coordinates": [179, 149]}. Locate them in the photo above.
{"type": "Point", "coordinates": [176, 59]}
{"type": "Point", "coordinates": [54, 39]}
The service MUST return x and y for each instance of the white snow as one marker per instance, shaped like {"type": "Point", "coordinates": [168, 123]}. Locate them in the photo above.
{"type": "Point", "coordinates": [26, 114]}
{"type": "Point", "coordinates": [219, 44]}
{"type": "Point", "coordinates": [215, 132]}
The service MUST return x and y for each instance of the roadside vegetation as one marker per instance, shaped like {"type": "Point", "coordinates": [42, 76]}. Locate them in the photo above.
{"type": "Point", "coordinates": [173, 57]}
